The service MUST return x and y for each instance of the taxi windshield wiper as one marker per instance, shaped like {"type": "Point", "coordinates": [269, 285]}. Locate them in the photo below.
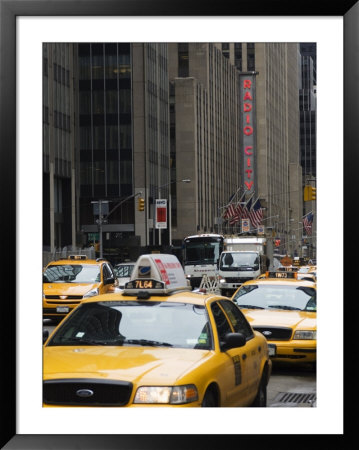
{"type": "Point", "coordinates": [88, 341]}
{"type": "Point", "coordinates": [147, 342]}
{"type": "Point", "coordinates": [291, 308]}
{"type": "Point", "coordinates": [250, 306]}
{"type": "Point", "coordinates": [78, 340]}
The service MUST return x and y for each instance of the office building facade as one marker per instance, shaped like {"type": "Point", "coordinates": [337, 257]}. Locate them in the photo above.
{"type": "Point", "coordinates": [123, 141]}
{"type": "Point", "coordinates": [59, 143]}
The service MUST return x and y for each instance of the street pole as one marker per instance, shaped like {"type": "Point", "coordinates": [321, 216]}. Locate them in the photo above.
{"type": "Point", "coordinates": [185, 180]}
{"type": "Point", "coordinates": [100, 226]}
{"type": "Point", "coordinates": [160, 230]}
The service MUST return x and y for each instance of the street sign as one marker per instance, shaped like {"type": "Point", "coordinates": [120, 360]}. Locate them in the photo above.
{"type": "Point", "coordinates": [261, 229]}
{"type": "Point", "coordinates": [246, 225]}
{"type": "Point", "coordinates": [161, 213]}
{"type": "Point", "coordinates": [286, 261]}
{"type": "Point", "coordinates": [96, 208]}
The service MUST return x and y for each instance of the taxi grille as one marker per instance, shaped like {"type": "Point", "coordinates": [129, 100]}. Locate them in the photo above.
{"type": "Point", "coordinates": [68, 297]}
{"type": "Point", "coordinates": [275, 333]}
{"type": "Point", "coordinates": [86, 392]}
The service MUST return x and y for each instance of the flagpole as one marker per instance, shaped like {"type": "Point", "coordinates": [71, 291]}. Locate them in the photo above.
{"type": "Point", "coordinates": [305, 215]}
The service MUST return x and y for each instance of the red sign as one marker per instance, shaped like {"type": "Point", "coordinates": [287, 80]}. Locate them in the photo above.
{"type": "Point", "coordinates": [247, 92]}
{"type": "Point", "coordinates": [161, 213]}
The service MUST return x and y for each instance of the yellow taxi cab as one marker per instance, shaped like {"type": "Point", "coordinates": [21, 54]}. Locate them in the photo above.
{"type": "Point", "coordinates": [283, 309]}
{"type": "Point", "coordinates": [307, 276]}
{"type": "Point", "coordinates": [66, 282]}
{"type": "Point", "coordinates": [156, 344]}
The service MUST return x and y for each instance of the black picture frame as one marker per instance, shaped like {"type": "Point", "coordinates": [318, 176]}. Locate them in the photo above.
{"type": "Point", "coordinates": [9, 10]}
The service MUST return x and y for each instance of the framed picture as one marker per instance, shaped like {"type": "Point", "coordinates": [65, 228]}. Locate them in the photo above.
{"type": "Point", "coordinates": [151, 21]}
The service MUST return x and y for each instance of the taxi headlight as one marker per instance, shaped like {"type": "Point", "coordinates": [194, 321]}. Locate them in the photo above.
{"type": "Point", "coordinates": [303, 334]}
{"type": "Point", "coordinates": [91, 293]}
{"type": "Point", "coordinates": [174, 395]}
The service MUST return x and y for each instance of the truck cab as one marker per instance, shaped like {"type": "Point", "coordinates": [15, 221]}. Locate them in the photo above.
{"type": "Point", "coordinates": [236, 267]}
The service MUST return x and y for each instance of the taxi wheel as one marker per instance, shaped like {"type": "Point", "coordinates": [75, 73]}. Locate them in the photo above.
{"type": "Point", "coordinates": [209, 399]}
{"type": "Point", "coordinates": [261, 397]}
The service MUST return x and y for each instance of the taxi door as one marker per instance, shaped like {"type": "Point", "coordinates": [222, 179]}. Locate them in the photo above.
{"type": "Point", "coordinates": [254, 350]}
{"type": "Point", "coordinates": [233, 368]}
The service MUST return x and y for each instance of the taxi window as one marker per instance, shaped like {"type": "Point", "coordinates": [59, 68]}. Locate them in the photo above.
{"type": "Point", "coordinates": [106, 272]}
{"type": "Point", "coordinates": [239, 322]}
{"type": "Point", "coordinates": [72, 273]}
{"type": "Point", "coordinates": [222, 323]}
{"type": "Point", "coordinates": [124, 270]}
{"type": "Point", "coordinates": [141, 323]}
{"type": "Point", "coordinates": [275, 296]}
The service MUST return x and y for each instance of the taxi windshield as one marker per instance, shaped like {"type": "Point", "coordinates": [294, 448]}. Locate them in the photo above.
{"type": "Point", "coordinates": [138, 323]}
{"type": "Point", "coordinates": [72, 273]}
{"type": "Point", "coordinates": [265, 296]}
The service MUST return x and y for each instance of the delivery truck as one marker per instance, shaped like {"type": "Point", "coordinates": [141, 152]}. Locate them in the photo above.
{"type": "Point", "coordinates": [244, 258]}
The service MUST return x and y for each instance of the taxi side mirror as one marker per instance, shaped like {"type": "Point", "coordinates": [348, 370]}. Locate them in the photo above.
{"type": "Point", "coordinates": [45, 335]}
{"type": "Point", "coordinates": [233, 340]}
{"type": "Point", "coordinates": [109, 280]}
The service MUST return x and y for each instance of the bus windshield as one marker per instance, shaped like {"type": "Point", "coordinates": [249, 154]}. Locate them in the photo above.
{"type": "Point", "coordinates": [205, 250]}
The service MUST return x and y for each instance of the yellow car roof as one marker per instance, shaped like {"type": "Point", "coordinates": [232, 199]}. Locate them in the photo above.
{"type": "Point", "coordinates": [75, 261]}
{"type": "Point", "coordinates": [178, 297]}
{"type": "Point", "coordinates": [282, 281]}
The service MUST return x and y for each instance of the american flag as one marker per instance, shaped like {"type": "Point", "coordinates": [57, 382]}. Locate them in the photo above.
{"type": "Point", "coordinates": [307, 223]}
{"type": "Point", "coordinates": [246, 209]}
{"type": "Point", "coordinates": [256, 214]}
{"type": "Point", "coordinates": [229, 212]}
{"type": "Point", "coordinates": [238, 211]}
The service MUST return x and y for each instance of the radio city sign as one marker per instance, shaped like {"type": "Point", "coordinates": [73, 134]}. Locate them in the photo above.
{"type": "Point", "coordinates": [248, 131]}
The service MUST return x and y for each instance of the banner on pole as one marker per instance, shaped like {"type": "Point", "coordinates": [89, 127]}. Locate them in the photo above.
{"type": "Point", "coordinates": [246, 225]}
{"type": "Point", "coordinates": [161, 213]}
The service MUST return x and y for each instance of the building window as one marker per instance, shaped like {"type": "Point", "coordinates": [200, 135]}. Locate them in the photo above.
{"type": "Point", "coordinates": [250, 57]}
{"type": "Point", "coordinates": [46, 67]}
{"type": "Point", "coordinates": [183, 60]}
{"type": "Point", "coordinates": [238, 56]}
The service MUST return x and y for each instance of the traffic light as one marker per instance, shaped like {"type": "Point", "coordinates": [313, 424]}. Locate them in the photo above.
{"type": "Point", "coordinates": [313, 193]}
{"type": "Point", "coordinates": [310, 193]}
{"type": "Point", "coordinates": [141, 204]}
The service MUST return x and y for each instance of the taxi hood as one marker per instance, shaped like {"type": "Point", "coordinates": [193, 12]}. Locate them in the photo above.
{"type": "Point", "coordinates": [68, 288]}
{"type": "Point", "coordinates": [293, 319]}
{"type": "Point", "coordinates": [140, 365]}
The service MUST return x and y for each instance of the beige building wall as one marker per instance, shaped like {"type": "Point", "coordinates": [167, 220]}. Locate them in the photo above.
{"type": "Point", "coordinates": [140, 175]}
{"type": "Point", "coordinates": [59, 140]}
{"type": "Point", "coordinates": [151, 142]}
{"type": "Point", "coordinates": [278, 135]}
{"type": "Point", "coordinates": [207, 140]}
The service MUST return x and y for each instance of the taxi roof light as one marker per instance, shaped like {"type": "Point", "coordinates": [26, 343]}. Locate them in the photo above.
{"type": "Point", "coordinates": [157, 274]}
{"type": "Point", "coordinates": [282, 274]}
{"type": "Point", "coordinates": [77, 257]}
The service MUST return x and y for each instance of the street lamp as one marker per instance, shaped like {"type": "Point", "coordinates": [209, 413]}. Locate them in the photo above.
{"type": "Point", "coordinates": [184, 180]}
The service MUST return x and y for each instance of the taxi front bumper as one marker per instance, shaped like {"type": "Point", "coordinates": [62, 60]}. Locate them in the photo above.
{"type": "Point", "coordinates": [56, 308]}
{"type": "Point", "coordinates": [294, 351]}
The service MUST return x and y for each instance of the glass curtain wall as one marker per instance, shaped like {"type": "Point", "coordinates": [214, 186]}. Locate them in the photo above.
{"type": "Point", "coordinates": [105, 123]}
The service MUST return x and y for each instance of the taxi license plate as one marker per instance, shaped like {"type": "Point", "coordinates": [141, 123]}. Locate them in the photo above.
{"type": "Point", "coordinates": [62, 309]}
{"type": "Point", "coordinates": [271, 349]}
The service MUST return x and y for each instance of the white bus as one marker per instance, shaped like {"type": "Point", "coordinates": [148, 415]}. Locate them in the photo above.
{"type": "Point", "coordinates": [201, 253]}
